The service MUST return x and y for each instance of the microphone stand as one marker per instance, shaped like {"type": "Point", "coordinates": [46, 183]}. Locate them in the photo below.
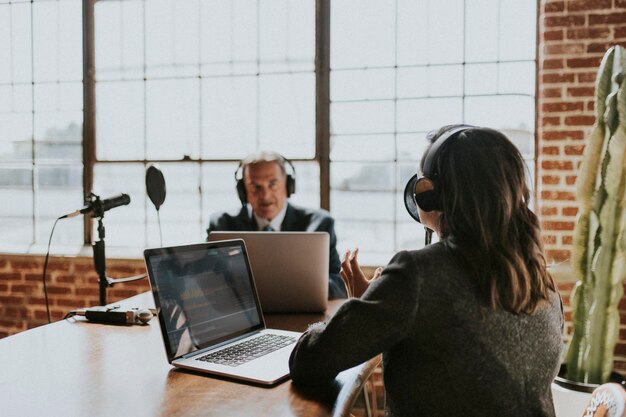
{"type": "Point", "coordinates": [99, 257]}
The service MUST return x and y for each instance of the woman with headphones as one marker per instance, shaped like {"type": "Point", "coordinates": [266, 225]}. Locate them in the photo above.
{"type": "Point", "coordinates": [470, 325]}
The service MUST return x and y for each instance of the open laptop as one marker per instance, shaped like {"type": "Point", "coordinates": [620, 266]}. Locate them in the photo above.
{"type": "Point", "coordinates": [290, 268]}
{"type": "Point", "coordinates": [210, 316]}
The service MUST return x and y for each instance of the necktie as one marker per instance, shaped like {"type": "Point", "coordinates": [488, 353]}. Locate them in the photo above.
{"type": "Point", "coordinates": [268, 228]}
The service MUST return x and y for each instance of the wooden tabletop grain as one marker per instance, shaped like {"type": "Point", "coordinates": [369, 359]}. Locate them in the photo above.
{"type": "Point", "coordinates": [76, 368]}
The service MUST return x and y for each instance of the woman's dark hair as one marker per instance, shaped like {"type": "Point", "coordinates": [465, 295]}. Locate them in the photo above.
{"type": "Point", "coordinates": [484, 197]}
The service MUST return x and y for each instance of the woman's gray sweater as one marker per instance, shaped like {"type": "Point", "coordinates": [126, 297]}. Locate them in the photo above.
{"type": "Point", "coordinates": [444, 353]}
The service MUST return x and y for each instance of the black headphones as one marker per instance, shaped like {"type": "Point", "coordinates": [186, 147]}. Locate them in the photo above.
{"type": "Point", "coordinates": [423, 191]}
{"type": "Point", "coordinates": [282, 161]}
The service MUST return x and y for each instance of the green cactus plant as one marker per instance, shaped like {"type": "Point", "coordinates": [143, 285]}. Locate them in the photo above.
{"type": "Point", "coordinates": [599, 253]}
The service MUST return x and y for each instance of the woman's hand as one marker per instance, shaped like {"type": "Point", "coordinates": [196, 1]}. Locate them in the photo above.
{"type": "Point", "coordinates": [353, 277]}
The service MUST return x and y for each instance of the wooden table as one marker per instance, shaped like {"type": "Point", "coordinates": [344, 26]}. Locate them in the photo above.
{"type": "Point", "coordinates": [77, 368]}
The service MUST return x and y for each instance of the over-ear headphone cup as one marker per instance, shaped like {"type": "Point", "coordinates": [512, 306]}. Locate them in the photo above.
{"type": "Point", "coordinates": [428, 200]}
{"type": "Point", "coordinates": [291, 185]}
{"type": "Point", "coordinates": [241, 192]}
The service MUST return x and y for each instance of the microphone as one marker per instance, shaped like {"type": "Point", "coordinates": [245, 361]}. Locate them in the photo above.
{"type": "Point", "coordinates": [115, 315]}
{"type": "Point", "coordinates": [98, 207]}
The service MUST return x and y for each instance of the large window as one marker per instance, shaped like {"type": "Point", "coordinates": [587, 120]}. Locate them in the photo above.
{"type": "Point", "coordinates": [401, 68]}
{"type": "Point", "coordinates": [41, 105]}
{"type": "Point", "coordinates": [195, 85]}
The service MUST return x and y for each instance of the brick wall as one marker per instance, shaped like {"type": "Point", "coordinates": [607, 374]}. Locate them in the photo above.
{"type": "Point", "coordinates": [573, 36]}
{"type": "Point", "coordinates": [71, 282]}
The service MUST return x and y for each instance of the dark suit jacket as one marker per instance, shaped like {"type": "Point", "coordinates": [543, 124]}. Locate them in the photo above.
{"type": "Point", "coordinates": [297, 219]}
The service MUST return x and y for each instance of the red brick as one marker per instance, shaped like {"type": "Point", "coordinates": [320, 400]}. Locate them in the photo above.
{"type": "Point", "coordinates": [581, 91]}
{"type": "Point", "coordinates": [588, 33]}
{"type": "Point", "coordinates": [563, 21]}
{"type": "Point", "coordinates": [563, 134]}
{"type": "Point", "coordinates": [549, 240]}
{"type": "Point", "coordinates": [558, 78]}
{"type": "Point", "coordinates": [30, 276]}
{"type": "Point", "coordinates": [11, 299]}
{"type": "Point", "coordinates": [592, 62]}
{"type": "Point", "coordinates": [79, 267]}
{"type": "Point", "coordinates": [55, 265]}
{"type": "Point", "coordinates": [591, 105]}
{"type": "Point", "coordinates": [557, 165]}
{"type": "Point", "coordinates": [574, 149]}
{"type": "Point", "coordinates": [558, 196]}
{"type": "Point", "coordinates": [581, 5]}
{"type": "Point", "coordinates": [70, 302]}
{"type": "Point", "coordinates": [549, 211]}
{"type": "Point", "coordinates": [87, 291]}
{"type": "Point", "coordinates": [553, 35]}
{"type": "Point", "coordinates": [25, 265]}
{"type": "Point", "coordinates": [586, 77]}
{"type": "Point", "coordinates": [557, 255]}
{"type": "Point", "coordinates": [24, 289]}
{"type": "Point", "coordinates": [608, 18]}
{"type": "Point", "coordinates": [620, 32]}
{"type": "Point", "coordinates": [10, 276]}
{"type": "Point", "coordinates": [552, 93]}
{"type": "Point", "coordinates": [551, 121]}
{"type": "Point", "coordinates": [3, 263]}
{"type": "Point", "coordinates": [549, 64]}
{"type": "Point", "coordinates": [562, 106]}
{"type": "Point", "coordinates": [550, 180]}
{"type": "Point", "coordinates": [550, 150]}
{"type": "Point", "coordinates": [66, 278]}
{"type": "Point", "coordinates": [54, 289]}
{"type": "Point", "coordinates": [556, 6]}
{"type": "Point", "coordinates": [580, 120]}
{"type": "Point", "coordinates": [567, 240]}
{"type": "Point", "coordinates": [570, 180]}
{"type": "Point", "coordinates": [4, 287]}
{"type": "Point", "coordinates": [561, 49]}
{"type": "Point", "coordinates": [552, 225]}
{"type": "Point", "coordinates": [569, 211]}
{"type": "Point", "coordinates": [17, 312]}
{"type": "Point", "coordinates": [599, 47]}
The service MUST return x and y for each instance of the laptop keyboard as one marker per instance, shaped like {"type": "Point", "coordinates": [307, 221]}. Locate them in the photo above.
{"type": "Point", "coordinates": [250, 349]}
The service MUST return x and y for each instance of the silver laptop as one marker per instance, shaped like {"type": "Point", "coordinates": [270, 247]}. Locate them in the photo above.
{"type": "Point", "coordinates": [210, 316]}
{"type": "Point", "coordinates": [290, 268]}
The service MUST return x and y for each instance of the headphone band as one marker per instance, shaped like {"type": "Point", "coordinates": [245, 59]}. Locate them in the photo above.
{"type": "Point", "coordinates": [282, 161]}
{"type": "Point", "coordinates": [429, 160]}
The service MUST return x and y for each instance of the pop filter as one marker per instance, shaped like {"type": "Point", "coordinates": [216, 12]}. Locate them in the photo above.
{"type": "Point", "coordinates": [155, 185]}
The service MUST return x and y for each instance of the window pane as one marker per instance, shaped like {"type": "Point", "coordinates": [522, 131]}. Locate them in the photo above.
{"type": "Point", "coordinates": [21, 43]}
{"type": "Point", "coordinates": [229, 117]}
{"type": "Point", "coordinates": [428, 114]}
{"type": "Point", "coordinates": [229, 37]}
{"type": "Point", "coordinates": [172, 38]}
{"type": "Point", "coordinates": [60, 192]}
{"type": "Point", "coordinates": [16, 136]}
{"type": "Point", "coordinates": [353, 42]}
{"type": "Point", "coordinates": [516, 30]}
{"type": "Point", "coordinates": [119, 37]}
{"type": "Point", "coordinates": [440, 80]}
{"type": "Point", "coordinates": [362, 148]}
{"type": "Point", "coordinates": [58, 136]}
{"type": "Point", "coordinates": [286, 35]}
{"type": "Point", "coordinates": [307, 184]}
{"type": "Point", "coordinates": [362, 84]}
{"type": "Point", "coordinates": [362, 117]}
{"type": "Point", "coordinates": [481, 39]}
{"type": "Point", "coordinates": [120, 120]}
{"type": "Point", "coordinates": [287, 114]}
{"type": "Point", "coordinates": [481, 79]}
{"type": "Point", "coordinates": [501, 112]}
{"type": "Point", "coordinates": [172, 119]}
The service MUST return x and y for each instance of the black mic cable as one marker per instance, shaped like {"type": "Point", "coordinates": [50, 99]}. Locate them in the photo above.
{"type": "Point", "coordinates": [45, 266]}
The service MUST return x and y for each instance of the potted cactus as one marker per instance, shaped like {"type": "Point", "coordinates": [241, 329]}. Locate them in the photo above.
{"type": "Point", "coordinates": [599, 253]}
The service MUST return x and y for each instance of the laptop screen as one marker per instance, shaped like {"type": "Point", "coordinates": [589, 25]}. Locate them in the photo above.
{"type": "Point", "coordinates": [205, 294]}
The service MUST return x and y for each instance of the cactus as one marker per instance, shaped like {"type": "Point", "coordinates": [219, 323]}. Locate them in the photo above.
{"type": "Point", "coordinates": [599, 253]}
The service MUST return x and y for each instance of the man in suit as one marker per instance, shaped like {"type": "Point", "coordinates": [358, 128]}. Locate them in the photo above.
{"type": "Point", "coordinates": [264, 187]}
